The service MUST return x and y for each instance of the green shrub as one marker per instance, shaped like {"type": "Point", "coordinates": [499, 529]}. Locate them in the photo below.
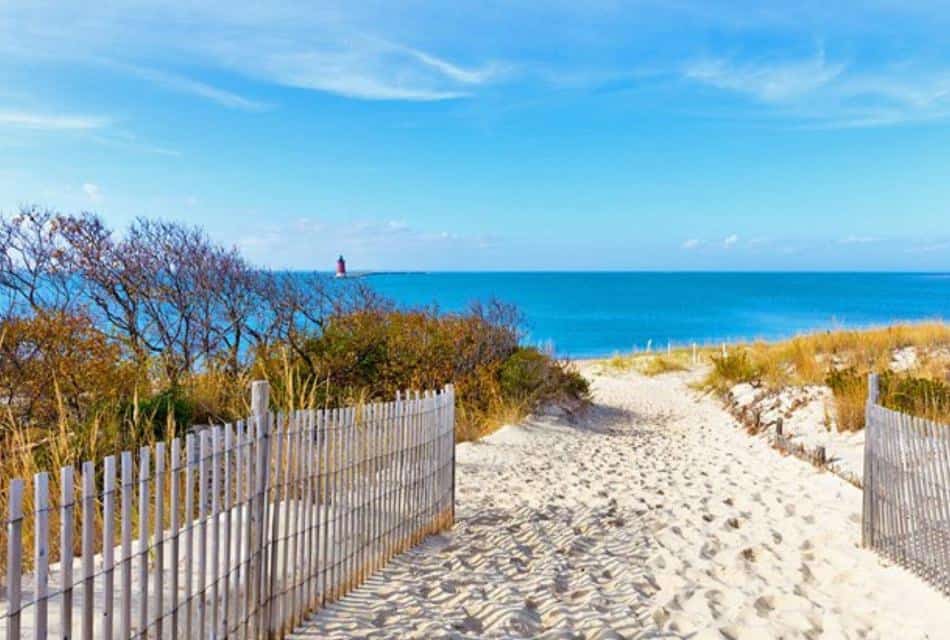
{"type": "Point", "coordinates": [922, 397]}
{"type": "Point", "coordinates": [169, 405]}
{"type": "Point", "coordinates": [371, 355]}
{"type": "Point", "coordinates": [528, 374]}
{"type": "Point", "coordinates": [524, 374]}
{"type": "Point", "coordinates": [731, 369]}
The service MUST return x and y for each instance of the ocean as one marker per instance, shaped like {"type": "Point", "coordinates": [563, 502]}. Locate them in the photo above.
{"type": "Point", "coordinates": [583, 314]}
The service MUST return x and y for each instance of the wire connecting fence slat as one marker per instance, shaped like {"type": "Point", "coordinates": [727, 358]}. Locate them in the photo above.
{"type": "Point", "coordinates": [238, 531]}
{"type": "Point", "coordinates": [906, 509]}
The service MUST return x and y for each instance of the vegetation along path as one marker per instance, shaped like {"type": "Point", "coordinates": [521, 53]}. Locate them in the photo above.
{"type": "Point", "coordinates": [652, 515]}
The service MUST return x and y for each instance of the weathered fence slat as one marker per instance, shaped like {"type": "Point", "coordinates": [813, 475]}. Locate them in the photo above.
{"type": "Point", "coordinates": [317, 593]}
{"type": "Point", "coordinates": [144, 477]}
{"type": "Point", "coordinates": [41, 552]}
{"type": "Point", "coordinates": [108, 545]}
{"type": "Point", "coordinates": [125, 621]}
{"type": "Point", "coordinates": [88, 547]}
{"type": "Point", "coordinates": [174, 526]}
{"type": "Point", "coordinates": [906, 507]}
{"type": "Point", "coordinates": [189, 513]}
{"type": "Point", "coordinates": [66, 506]}
{"type": "Point", "coordinates": [239, 531]}
{"type": "Point", "coordinates": [202, 578]}
{"type": "Point", "coordinates": [215, 527]}
{"type": "Point", "coordinates": [14, 557]}
{"type": "Point", "coordinates": [226, 506]}
{"type": "Point", "coordinates": [158, 539]}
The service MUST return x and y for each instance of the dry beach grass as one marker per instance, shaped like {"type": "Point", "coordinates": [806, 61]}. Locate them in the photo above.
{"type": "Point", "coordinates": [841, 360]}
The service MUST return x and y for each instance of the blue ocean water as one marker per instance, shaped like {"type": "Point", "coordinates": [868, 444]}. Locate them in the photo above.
{"type": "Point", "coordinates": [599, 313]}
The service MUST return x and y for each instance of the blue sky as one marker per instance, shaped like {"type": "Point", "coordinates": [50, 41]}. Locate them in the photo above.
{"type": "Point", "coordinates": [516, 135]}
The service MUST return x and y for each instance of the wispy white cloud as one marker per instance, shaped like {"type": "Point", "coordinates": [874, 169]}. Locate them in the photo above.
{"type": "Point", "coordinates": [931, 248]}
{"type": "Point", "coordinates": [364, 69]}
{"type": "Point", "coordinates": [820, 93]}
{"type": "Point", "coordinates": [368, 231]}
{"type": "Point", "coordinates": [474, 76]}
{"type": "Point", "coordinates": [854, 239]}
{"type": "Point", "coordinates": [51, 122]}
{"type": "Point", "coordinates": [98, 129]}
{"type": "Point", "coordinates": [92, 191]}
{"type": "Point", "coordinates": [691, 243]}
{"type": "Point", "coordinates": [335, 47]}
{"type": "Point", "coordinates": [771, 81]}
{"type": "Point", "coordinates": [730, 241]}
{"type": "Point", "coordinates": [125, 140]}
{"type": "Point", "coordinates": [298, 243]}
{"type": "Point", "coordinates": [184, 84]}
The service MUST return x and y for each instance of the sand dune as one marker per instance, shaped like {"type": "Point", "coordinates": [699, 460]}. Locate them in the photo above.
{"type": "Point", "coordinates": [654, 517]}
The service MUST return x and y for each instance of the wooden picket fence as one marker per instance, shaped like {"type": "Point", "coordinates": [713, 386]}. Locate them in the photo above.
{"type": "Point", "coordinates": [238, 531]}
{"type": "Point", "coordinates": [906, 515]}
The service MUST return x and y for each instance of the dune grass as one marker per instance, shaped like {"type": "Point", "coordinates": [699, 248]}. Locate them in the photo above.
{"type": "Point", "coordinates": [842, 360]}
{"type": "Point", "coordinates": [651, 364]}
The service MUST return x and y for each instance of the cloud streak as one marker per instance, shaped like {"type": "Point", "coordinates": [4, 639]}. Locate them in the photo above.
{"type": "Point", "coordinates": [189, 86]}
{"type": "Point", "coordinates": [854, 239]}
{"type": "Point", "coordinates": [50, 122]}
{"type": "Point", "coordinates": [766, 81]}
{"type": "Point", "coordinates": [365, 241]}
{"type": "Point", "coordinates": [92, 191]}
{"type": "Point", "coordinates": [821, 93]}
{"type": "Point", "coordinates": [343, 50]}
{"type": "Point", "coordinates": [360, 68]}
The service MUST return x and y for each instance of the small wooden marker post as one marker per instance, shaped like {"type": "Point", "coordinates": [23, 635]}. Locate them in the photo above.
{"type": "Point", "coordinates": [820, 457]}
{"type": "Point", "coordinates": [778, 427]}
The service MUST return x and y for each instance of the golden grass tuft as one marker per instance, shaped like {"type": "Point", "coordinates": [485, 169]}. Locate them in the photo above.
{"type": "Point", "coordinates": [842, 360]}
{"type": "Point", "coordinates": [652, 364]}
{"type": "Point", "coordinates": [662, 364]}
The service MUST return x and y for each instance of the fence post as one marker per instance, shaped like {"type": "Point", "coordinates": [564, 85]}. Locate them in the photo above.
{"type": "Point", "coordinates": [14, 558]}
{"type": "Point", "coordinates": [450, 389]}
{"type": "Point", "coordinates": [260, 401]}
{"type": "Point", "coordinates": [88, 548]}
{"type": "Point", "coordinates": [67, 495]}
{"type": "Point", "coordinates": [867, 484]}
{"type": "Point", "coordinates": [873, 388]}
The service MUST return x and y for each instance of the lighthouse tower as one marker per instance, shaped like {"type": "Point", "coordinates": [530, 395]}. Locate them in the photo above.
{"type": "Point", "coordinates": [340, 267]}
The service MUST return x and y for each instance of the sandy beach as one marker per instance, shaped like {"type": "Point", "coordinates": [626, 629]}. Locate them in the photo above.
{"type": "Point", "coordinates": [651, 516]}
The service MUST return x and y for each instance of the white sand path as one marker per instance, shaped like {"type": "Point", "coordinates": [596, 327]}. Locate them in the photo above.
{"type": "Point", "coordinates": [655, 518]}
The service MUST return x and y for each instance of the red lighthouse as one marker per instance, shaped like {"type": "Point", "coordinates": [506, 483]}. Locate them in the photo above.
{"type": "Point", "coordinates": [340, 267]}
